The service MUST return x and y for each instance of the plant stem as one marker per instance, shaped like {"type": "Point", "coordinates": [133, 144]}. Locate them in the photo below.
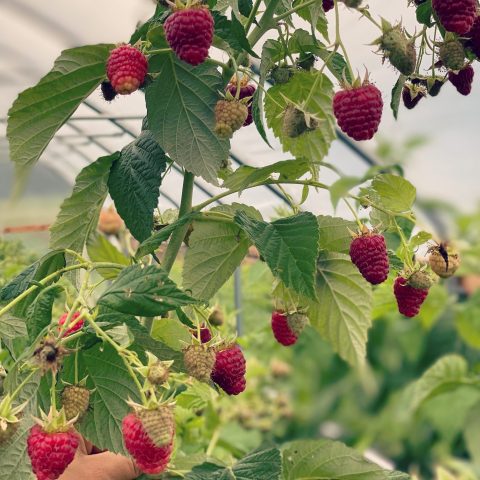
{"type": "Point", "coordinates": [213, 442]}
{"type": "Point", "coordinates": [24, 382]}
{"type": "Point", "coordinates": [53, 392]}
{"type": "Point", "coordinates": [295, 9]}
{"type": "Point", "coordinates": [354, 213]}
{"type": "Point", "coordinates": [252, 15]}
{"type": "Point", "coordinates": [338, 40]}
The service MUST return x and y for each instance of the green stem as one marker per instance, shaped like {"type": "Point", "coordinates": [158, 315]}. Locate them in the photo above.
{"type": "Point", "coordinates": [338, 40]}
{"type": "Point", "coordinates": [252, 15]}
{"type": "Point", "coordinates": [408, 257]}
{"type": "Point", "coordinates": [24, 382]}
{"type": "Point", "coordinates": [159, 50]}
{"type": "Point", "coordinates": [213, 442]}
{"type": "Point", "coordinates": [212, 61]}
{"type": "Point", "coordinates": [294, 10]}
{"type": "Point", "coordinates": [354, 213]}
{"type": "Point", "coordinates": [76, 362]}
{"type": "Point", "coordinates": [53, 391]}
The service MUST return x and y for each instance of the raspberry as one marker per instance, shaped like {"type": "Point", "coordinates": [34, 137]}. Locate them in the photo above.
{"type": "Point", "coordinates": [409, 299]}
{"type": "Point", "coordinates": [76, 326]}
{"type": "Point", "coordinates": [462, 80]}
{"type": "Point", "coordinates": [48, 355]}
{"type": "Point", "coordinates": [297, 322]}
{"type": "Point", "coordinates": [126, 69]}
{"type": "Point", "coordinates": [199, 362]}
{"type": "Point", "coordinates": [229, 370]}
{"type": "Point", "coordinates": [440, 266]}
{"type": "Point", "coordinates": [148, 457]}
{"type": "Point", "coordinates": [245, 92]}
{"type": "Point", "coordinates": [359, 110]}
{"type": "Point", "coordinates": [368, 252]}
{"type": "Point", "coordinates": [434, 87]}
{"type": "Point", "coordinates": [281, 74]}
{"type": "Point", "coordinates": [205, 333]}
{"type": "Point", "coordinates": [411, 95]}
{"type": "Point", "coordinates": [452, 54]}
{"type": "Point", "coordinates": [421, 280]}
{"type": "Point", "coordinates": [50, 453]}
{"type": "Point", "coordinates": [75, 401]}
{"type": "Point", "coordinates": [295, 122]}
{"type": "Point", "coordinates": [474, 37]}
{"type": "Point", "coordinates": [327, 5]}
{"type": "Point", "coordinates": [398, 49]}
{"type": "Point", "coordinates": [158, 373]}
{"type": "Point", "coordinates": [108, 92]}
{"type": "Point", "coordinates": [281, 329]}
{"type": "Point", "coordinates": [230, 115]}
{"type": "Point", "coordinates": [159, 424]}
{"type": "Point", "coordinates": [456, 15]}
{"type": "Point", "coordinates": [189, 33]}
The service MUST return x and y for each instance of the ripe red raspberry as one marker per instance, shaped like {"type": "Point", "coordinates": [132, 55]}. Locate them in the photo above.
{"type": "Point", "coordinates": [462, 80]}
{"type": "Point", "coordinates": [148, 457]}
{"type": "Point", "coordinates": [281, 330]}
{"type": "Point", "coordinates": [205, 333]}
{"type": "Point", "coordinates": [359, 110]}
{"type": "Point", "coordinates": [409, 299]}
{"type": "Point", "coordinates": [368, 252]}
{"type": "Point", "coordinates": [76, 326]}
{"type": "Point", "coordinates": [456, 15]}
{"type": "Point", "coordinates": [189, 33]}
{"type": "Point", "coordinates": [229, 370]}
{"type": "Point", "coordinates": [50, 453]}
{"type": "Point", "coordinates": [474, 37]}
{"type": "Point", "coordinates": [327, 5]}
{"type": "Point", "coordinates": [245, 91]}
{"type": "Point", "coordinates": [126, 69]}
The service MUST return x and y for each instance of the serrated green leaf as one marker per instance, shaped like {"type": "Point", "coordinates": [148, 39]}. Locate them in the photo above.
{"type": "Point", "coordinates": [419, 239]}
{"type": "Point", "coordinates": [216, 249]}
{"type": "Point", "coordinates": [341, 187]}
{"type": "Point", "coordinates": [79, 213]}
{"type": "Point", "coordinates": [196, 396]}
{"type": "Point", "coordinates": [394, 193]}
{"type": "Point", "coordinates": [101, 250]}
{"type": "Point", "coordinates": [172, 333]}
{"type": "Point", "coordinates": [14, 461]}
{"type": "Point", "coordinates": [38, 112]}
{"type": "Point", "coordinates": [144, 291]}
{"type": "Point", "coordinates": [327, 460]}
{"type": "Point", "coordinates": [39, 314]}
{"type": "Point", "coordinates": [342, 314]}
{"type": "Point", "coordinates": [397, 95]}
{"type": "Point", "coordinates": [134, 183]}
{"type": "Point", "coordinates": [334, 233]}
{"type": "Point", "coordinates": [180, 106]}
{"type": "Point", "coordinates": [245, 7]}
{"type": "Point", "coordinates": [12, 327]}
{"type": "Point", "coordinates": [257, 114]}
{"type": "Point", "coordinates": [289, 246]}
{"type": "Point", "coordinates": [152, 243]}
{"type": "Point", "coordinates": [314, 14]}
{"type": "Point", "coordinates": [317, 91]}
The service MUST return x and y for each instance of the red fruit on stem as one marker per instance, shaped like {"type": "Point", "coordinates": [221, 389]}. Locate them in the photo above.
{"type": "Point", "coordinates": [474, 37]}
{"type": "Point", "coordinates": [189, 33]}
{"type": "Point", "coordinates": [369, 254]}
{"type": "Point", "coordinates": [76, 325]}
{"type": "Point", "coordinates": [359, 111]}
{"type": "Point", "coordinates": [409, 299]}
{"type": "Point", "coordinates": [281, 330]}
{"type": "Point", "coordinates": [50, 453]}
{"type": "Point", "coordinates": [245, 91]}
{"type": "Point", "coordinates": [411, 99]}
{"type": "Point", "coordinates": [327, 5]}
{"type": "Point", "coordinates": [456, 15]}
{"type": "Point", "coordinates": [229, 370]}
{"type": "Point", "coordinates": [148, 457]}
{"type": "Point", "coordinates": [126, 69]}
{"type": "Point", "coordinates": [462, 80]}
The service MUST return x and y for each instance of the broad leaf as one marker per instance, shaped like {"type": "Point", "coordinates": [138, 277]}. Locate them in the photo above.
{"type": "Point", "coordinates": [172, 333]}
{"type": "Point", "coordinates": [144, 292]}
{"type": "Point", "coordinates": [180, 106]}
{"type": "Point", "coordinates": [40, 111]}
{"type": "Point", "coordinates": [314, 14]}
{"type": "Point", "coordinates": [312, 93]}
{"type": "Point", "coordinates": [79, 213]}
{"type": "Point", "coordinates": [101, 250]}
{"type": "Point", "coordinates": [342, 314]}
{"type": "Point", "coordinates": [215, 250]}
{"type": "Point", "coordinates": [424, 13]}
{"type": "Point", "coordinates": [12, 327]}
{"type": "Point", "coordinates": [134, 183]}
{"type": "Point", "coordinates": [289, 246]}
{"type": "Point", "coordinates": [230, 34]}
{"type": "Point", "coordinates": [394, 192]}
{"type": "Point", "coordinates": [14, 461]}
{"type": "Point", "coordinates": [334, 233]}
{"type": "Point", "coordinates": [341, 187]}
{"type": "Point", "coordinates": [327, 460]}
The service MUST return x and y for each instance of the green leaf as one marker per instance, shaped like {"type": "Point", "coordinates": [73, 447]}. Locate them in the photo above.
{"type": "Point", "coordinates": [113, 386]}
{"type": "Point", "coordinates": [135, 181]}
{"type": "Point", "coordinates": [12, 327]}
{"type": "Point", "coordinates": [101, 250]}
{"type": "Point", "coordinates": [334, 233]}
{"type": "Point", "coordinates": [342, 314]}
{"type": "Point", "coordinates": [289, 246]}
{"type": "Point", "coordinates": [238, 32]}
{"type": "Point", "coordinates": [341, 187]}
{"type": "Point", "coordinates": [434, 306]}
{"type": "Point", "coordinates": [395, 193]}
{"type": "Point", "coordinates": [38, 112]}
{"type": "Point", "coordinates": [314, 14]}
{"type": "Point", "coordinates": [172, 333]}
{"type": "Point", "coordinates": [144, 292]}
{"type": "Point", "coordinates": [257, 465]}
{"type": "Point", "coordinates": [444, 375]}
{"type": "Point", "coordinates": [471, 433]}
{"type": "Point", "coordinates": [39, 314]}
{"type": "Point", "coordinates": [467, 321]}
{"type": "Point", "coordinates": [419, 239]}
{"type": "Point", "coordinates": [327, 460]}
{"type": "Point", "coordinates": [245, 7]}
{"type": "Point", "coordinates": [397, 95]}
{"type": "Point", "coordinates": [216, 249]}
{"type": "Point", "coordinates": [424, 13]}
{"type": "Point", "coordinates": [79, 213]}
{"type": "Point", "coordinates": [257, 114]}
{"type": "Point", "coordinates": [180, 106]}
{"type": "Point", "coordinates": [152, 243]}
{"type": "Point", "coordinates": [317, 91]}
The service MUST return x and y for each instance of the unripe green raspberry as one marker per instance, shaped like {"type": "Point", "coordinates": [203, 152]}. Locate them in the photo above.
{"type": "Point", "coordinates": [295, 122]}
{"type": "Point", "coordinates": [75, 401]}
{"type": "Point", "coordinates": [230, 115]}
{"type": "Point", "coordinates": [199, 362]}
{"type": "Point", "coordinates": [399, 50]}
{"type": "Point", "coordinates": [452, 54]}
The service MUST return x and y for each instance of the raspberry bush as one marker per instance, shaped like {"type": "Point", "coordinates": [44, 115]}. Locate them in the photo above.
{"type": "Point", "coordinates": [134, 353]}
